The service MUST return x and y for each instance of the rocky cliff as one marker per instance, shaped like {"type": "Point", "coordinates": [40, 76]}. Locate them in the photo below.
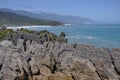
{"type": "Point", "coordinates": [49, 60]}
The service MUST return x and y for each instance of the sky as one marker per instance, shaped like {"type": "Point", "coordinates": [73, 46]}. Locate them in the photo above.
{"type": "Point", "coordinates": [106, 11]}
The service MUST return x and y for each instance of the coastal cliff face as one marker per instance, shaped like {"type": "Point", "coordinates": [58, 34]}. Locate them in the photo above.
{"type": "Point", "coordinates": [28, 59]}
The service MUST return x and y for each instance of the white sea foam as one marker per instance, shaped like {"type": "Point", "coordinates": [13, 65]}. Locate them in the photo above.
{"type": "Point", "coordinates": [67, 24]}
{"type": "Point", "coordinates": [82, 37]}
{"type": "Point", "coordinates": [74, 37]}
{"type": "Point", "coordinates": [19, 27]}
{"type": "Point", "coordinates": [89, 37]}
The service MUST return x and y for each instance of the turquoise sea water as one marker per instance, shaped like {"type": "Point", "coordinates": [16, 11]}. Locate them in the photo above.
{"type": "Point", "coordinates": [99, 35]}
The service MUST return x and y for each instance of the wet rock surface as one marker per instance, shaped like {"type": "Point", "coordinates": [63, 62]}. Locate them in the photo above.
{"type": "Point", "coordinates": [57, 61]}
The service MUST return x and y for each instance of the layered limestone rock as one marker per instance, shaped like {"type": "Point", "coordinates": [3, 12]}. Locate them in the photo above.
{"type": "Point", "coordinates": [29, 60]}
{"type": "Point", "coordinates": [40, 37]}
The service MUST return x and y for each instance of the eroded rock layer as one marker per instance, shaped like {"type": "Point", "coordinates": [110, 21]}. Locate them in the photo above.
{"type": "Point", "coordinates": [29, 60]}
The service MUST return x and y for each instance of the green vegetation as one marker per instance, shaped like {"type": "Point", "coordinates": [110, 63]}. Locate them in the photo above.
{"type": "Point", "coordinates": [42, 36]}
{"type": "Point", "coordinates": [50, 36]}
{"type": "Point", "coordinates": [62, 34]}
{"type": "Point", "coordinates": [47, 34]}
{"type": "Point", "coordinates": [25, 30]}
{"type": "Point", "coordinates": [12, 19]}
{"type": "Point", "coordinates": [1, 24]}
{"type": "Point", "coordinates": [3, 33]}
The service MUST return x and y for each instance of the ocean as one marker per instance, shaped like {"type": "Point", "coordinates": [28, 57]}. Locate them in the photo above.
{"type": "Point", "coordinates": [99, 35]}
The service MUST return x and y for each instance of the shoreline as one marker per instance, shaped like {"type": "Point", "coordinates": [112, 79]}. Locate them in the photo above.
{"type": "Point", "coordinates": [32, 26]}
{"type": "Point", "coordinates": [98, 41]}
{"type": "Point", "coordinates": [45, 53]}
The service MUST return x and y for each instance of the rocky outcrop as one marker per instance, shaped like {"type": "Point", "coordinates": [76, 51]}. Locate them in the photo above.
{"type": "Point", "coordinates": [40, 37]}
{"type": "Point", "coordinates": [29, 60]}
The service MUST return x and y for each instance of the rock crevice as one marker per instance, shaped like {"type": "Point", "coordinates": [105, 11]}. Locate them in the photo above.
{"type": "Point", "coordinates": [52, 60]}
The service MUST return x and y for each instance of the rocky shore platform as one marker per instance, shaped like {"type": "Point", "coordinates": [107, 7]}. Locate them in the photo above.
{"type": "Point", "coordinates": [27, 55]}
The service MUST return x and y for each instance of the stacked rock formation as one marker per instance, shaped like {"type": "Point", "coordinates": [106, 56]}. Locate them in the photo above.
{"type": "Point", "coordinates": [53, 60]}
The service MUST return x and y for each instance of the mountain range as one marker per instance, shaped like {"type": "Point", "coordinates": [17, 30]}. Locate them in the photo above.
{"type": "Point", "coordinates": [13, 19]}
{"type": "Point", "coordinates": [51, 16]}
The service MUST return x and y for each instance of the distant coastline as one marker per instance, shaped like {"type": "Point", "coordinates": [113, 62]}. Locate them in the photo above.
{"type": "Point", "coordinates": [32, 26]}
{"type": "Point", "coordinates": [99, 35]}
